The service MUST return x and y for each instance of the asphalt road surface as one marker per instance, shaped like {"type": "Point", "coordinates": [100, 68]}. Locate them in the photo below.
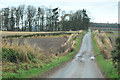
{"type": "Point", "coordinates": [81, 66]}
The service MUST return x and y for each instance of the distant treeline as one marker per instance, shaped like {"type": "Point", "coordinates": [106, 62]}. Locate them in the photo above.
{"type": "Point", "coordinates": [30, 18]}
{"type": "Point", "coordinates": [105, 25]}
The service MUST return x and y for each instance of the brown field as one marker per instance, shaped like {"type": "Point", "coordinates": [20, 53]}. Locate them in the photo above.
{"type": "Point", "coordinates": [40, 44]}
{"type": "Point", "coordinates": [42, 48]}
{"type": "Point", "coordinates": [47, 44]}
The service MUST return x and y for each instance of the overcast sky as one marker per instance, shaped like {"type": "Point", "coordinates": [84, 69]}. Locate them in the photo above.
{"type": "Point", "coordinates": [99, 10]}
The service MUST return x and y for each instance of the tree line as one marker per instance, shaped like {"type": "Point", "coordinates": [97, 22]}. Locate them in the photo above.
{"type": "Point", "coordinates": [30, 18]}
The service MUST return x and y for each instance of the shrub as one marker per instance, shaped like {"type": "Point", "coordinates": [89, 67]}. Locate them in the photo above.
{"type": "Point", "coordinates": [14, 56]}
{"type": "Point", "coordinates": [115, 54]}
{"type": "Point", "coordinates": [9, 55]}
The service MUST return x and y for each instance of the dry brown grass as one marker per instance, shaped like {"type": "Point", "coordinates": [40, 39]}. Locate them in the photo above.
{"type": "Point", "coordinates": [104, 43]}
{"type": "Point", "coordinates": [24, 48]}
{"type": "Point", "coordinates": [71, 42]}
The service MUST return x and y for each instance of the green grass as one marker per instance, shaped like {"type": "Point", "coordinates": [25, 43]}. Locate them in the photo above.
{"type": "Point", "coordinates": [56, 61]}
{"type": "Point", "coordinates": [105, 65]}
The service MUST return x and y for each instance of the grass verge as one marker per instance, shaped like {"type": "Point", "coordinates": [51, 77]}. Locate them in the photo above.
{"type": "Point", "coordinates": [56, 61]}
{"type": "Point", "coordinates": [106, 65]}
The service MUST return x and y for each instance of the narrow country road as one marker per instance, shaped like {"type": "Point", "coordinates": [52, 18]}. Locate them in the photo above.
{"type": "Point", "coordinates": [80, 67]}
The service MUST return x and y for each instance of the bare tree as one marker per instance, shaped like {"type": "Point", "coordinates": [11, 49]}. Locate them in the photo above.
{"type": "Point", "coordinates": [12, 19]}
{"type": "Point", "coordinates": [21, 11]}
{"type": "Point", "coordinates": [38, 17]}
{"type": "Point", "coordinates": [6, 19]}
{"type": "Point", "coordinates": [43, 19]}
{"type": "Point", "coordinates": [17, 14]}
{"type": "Point", "coordinates": [49, 19]}
{"type": "Point", "coordinates": [30, 15]}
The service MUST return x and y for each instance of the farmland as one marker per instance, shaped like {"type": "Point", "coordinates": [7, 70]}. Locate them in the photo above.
{"type": "Point", "coordinates": [43, 43]}
{"type": "Point", "coordinates": [25, 54]}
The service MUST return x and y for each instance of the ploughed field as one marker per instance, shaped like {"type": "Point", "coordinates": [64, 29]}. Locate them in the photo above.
{"type": "Point", "coordinates": [40, 42]}
{"type": "Point", "coordinates": [47, 44]}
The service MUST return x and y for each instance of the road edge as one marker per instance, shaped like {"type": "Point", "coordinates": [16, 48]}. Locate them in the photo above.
{"type": "Point", "coordinates": [96, 60]}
